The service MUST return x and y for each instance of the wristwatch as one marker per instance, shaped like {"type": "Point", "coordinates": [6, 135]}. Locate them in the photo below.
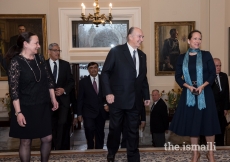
{"type": "Point", "coordinates": [105, 104]}
{"type": "Point", "coordinates": [18, 113]}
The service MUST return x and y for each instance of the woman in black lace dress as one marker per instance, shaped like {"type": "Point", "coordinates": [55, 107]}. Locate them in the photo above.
{"type": "Point", "coordinates": [31, 88]}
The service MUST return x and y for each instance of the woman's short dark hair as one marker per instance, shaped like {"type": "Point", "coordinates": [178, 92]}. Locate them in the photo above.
{"type": "Point", "coordinates": [17, 49]}
{"type": "Point", "coordinates": [92, 63]}
{"type": "Point", "coordinates": [191, 33]}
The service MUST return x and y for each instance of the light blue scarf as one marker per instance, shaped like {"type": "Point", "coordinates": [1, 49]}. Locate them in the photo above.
{"type": "Point", "coordinates": [199, 74]}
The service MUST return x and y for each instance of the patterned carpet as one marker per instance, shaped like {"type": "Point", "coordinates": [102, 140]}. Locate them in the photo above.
{"type": "Point", "coordinates": [146, 156]}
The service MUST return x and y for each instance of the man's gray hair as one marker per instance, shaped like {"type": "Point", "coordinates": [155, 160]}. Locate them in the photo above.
{"type": "Point", "coordinates": [155, 90]}
{"type": "Point", "coordinates": [52, 45]}
{"type": "Point", "coordinates": [216, 59]}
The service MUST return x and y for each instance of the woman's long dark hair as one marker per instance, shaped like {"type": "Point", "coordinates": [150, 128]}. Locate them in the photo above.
{"type": "Point", "coordinates": [17, 48]}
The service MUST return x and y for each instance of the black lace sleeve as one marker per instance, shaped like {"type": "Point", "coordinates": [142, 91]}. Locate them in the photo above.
{"type": "Point", "coordinates": [13, 79]}
{"type": "Point", "coordinates": [51, 82]}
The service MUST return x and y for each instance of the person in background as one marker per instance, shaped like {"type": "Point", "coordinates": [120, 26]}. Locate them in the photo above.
{"type": "Point", "coordinates": [13, 39]}
{"type": "Point", "coordinates": [221, 94]}
{"type": "Point", "coordinates": [196, 111]}
{"type": "Point", "coordinates": [159, 122]}
{"type": "Point", "coordinates": [31, 89]}
{"type": "Point", "coordinates": [64, 83]}
{"type": "Point", "coordinates": [126, 87]}
{"type": "Point", "coordinates": [92, 108]}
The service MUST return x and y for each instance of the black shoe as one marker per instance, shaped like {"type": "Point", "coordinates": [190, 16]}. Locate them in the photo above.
{"type": "Point", "coordinates": [110, 158]}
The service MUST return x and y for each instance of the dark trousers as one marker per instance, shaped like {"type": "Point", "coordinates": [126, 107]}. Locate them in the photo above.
{"type": "Point", "coordinates": [125, 135]}
{"type": "Point", "coordinates": [60, 127]}
{"type": "Point", "coordinates": [158, 139]}
{"type": "Point", "coordinates": [132, 117]}
{"type": "Point", "coordinates": [94, 129]}
{"type": "Point", "coordinates": [219, 138]}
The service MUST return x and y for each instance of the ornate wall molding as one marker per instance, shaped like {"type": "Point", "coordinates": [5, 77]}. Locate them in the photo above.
{"type": "Point", "coordinates": [67, 15]}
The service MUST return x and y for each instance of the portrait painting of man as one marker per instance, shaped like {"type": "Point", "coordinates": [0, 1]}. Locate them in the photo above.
{"type": "Point", "coordinates": [170, 42]}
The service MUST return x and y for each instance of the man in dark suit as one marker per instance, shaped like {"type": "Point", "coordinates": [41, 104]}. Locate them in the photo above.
{"type": "Point", "coordinates": [221, 94]}
{"type": "Point", "coordinates": [64, 85]}
{"type": "Point", "coordinates": [158, 120]}
{"type": "Point", "coordinates": [92, 107]}
{"type": "Point", "coordinates": [126, 87]}
{"type": "Point", "coordinates": [13, 39]}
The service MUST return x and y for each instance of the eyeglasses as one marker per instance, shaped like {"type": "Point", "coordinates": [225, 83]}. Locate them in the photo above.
{"type": "Point", "coordinates": [55, 50]}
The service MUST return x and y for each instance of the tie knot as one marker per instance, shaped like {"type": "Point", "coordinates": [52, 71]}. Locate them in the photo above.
{"type": "Point", "coordinates": [134, 52]}
{"type": "Point", "coordinates": [94, 79]}
{"type": "Point", "coordinates": [55, 63]}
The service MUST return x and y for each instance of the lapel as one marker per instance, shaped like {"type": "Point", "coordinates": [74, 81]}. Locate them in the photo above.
{"type": "Point", "coordinates": [140, 54]}
{"type": "Point", "coordinates": [100, 84]}
{"type": "Point", "coordinates": [221, 79]}
{"type": "Point", "coordinates": [128, 55]}
{"type": "Point", "coordinates": [60, 70]}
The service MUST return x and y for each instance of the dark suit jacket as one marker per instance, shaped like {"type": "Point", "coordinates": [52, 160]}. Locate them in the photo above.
{"type": "Point", "coordinates": [65, 80]}
{"type": "Point", "coordinates": [89, 103]}
{"type": "Point", "coordinates": [13, 40]}
{"type": "Point", "coordinates": [222, 98]}
{"type": "Point", "coordinates": [143, 114]}
{"type": "Point", "coordinates": [119, 78]}
{"type": "Point", "coordinates": [159, 118]}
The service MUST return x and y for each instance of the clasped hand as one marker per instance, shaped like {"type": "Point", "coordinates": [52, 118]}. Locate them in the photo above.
{"type": "Point", "coordinates": [198, 89]}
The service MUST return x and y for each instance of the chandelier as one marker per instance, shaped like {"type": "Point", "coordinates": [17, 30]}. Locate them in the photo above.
{"type": "Point", "coordinates": [96, 18]}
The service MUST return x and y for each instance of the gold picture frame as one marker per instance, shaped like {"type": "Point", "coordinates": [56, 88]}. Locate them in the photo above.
{"type": "Point", "coordinates": [168, 44]}
{"type": "Point", "coordinates": [35, 23]}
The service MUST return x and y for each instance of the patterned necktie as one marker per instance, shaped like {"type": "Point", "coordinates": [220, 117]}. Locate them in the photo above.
{"type": "Point", "coordinates": [55, 71]}
{"type": "Point", "coordinates": [217, 83]}
{"type": "Point", "coordinates": [134, 57]}
{"type": "Point", "coordinates": [152, 106]}
{"type": "Point", "coordinates": [95, 85]}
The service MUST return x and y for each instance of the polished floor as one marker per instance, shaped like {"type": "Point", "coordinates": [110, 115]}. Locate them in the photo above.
{"type": "Point", "coordinates": [78, 141]}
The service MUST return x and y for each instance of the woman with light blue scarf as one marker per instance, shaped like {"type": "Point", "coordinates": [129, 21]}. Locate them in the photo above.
{"type": "Point", "coordinates": [196, 113]}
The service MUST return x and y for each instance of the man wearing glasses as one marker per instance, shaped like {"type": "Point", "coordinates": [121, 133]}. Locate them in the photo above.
{"type": "Point", "coordinates": [64, 85]}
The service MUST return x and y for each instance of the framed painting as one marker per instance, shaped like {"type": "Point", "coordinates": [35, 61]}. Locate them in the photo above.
{"type": "Point", "coordinates": [10, 26]}
{"type": "Point", "coordinates": [170, 42]}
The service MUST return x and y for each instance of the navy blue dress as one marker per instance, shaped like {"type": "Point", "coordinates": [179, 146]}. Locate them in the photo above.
{"type": "Point", "coordinates": [190, 121]}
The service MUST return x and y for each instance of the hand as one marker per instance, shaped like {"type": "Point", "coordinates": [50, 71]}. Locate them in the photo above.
{"type": "Point", "coordinates": [59, 91]}
{"type": "Point", "coordinates": [75, 121]}
{"type": "Point", "coordinates": [143, 124]}
{"type": "Point", "coordinates": [80, 118]}
{"type": "Point", "coordinates": [55, 104]}
{"type": "Point", "coordinates": [106, 108]}
{"type": "Point", "coordinates": [200, 89]}
{"type": "Point", "coordinates": [191, 88]}
{"type": "Point", "coordinates": [110, 98]}
{"type": "Point", "coordinates": [225, 112]}
{"type": "Point", "coordinates": [147, 102]}
{"type": "Point", "coordinates": [21, 120]}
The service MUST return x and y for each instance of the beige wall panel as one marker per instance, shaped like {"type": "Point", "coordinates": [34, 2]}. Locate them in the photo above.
{"type": "Point", "coordinates": [218, 31]}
